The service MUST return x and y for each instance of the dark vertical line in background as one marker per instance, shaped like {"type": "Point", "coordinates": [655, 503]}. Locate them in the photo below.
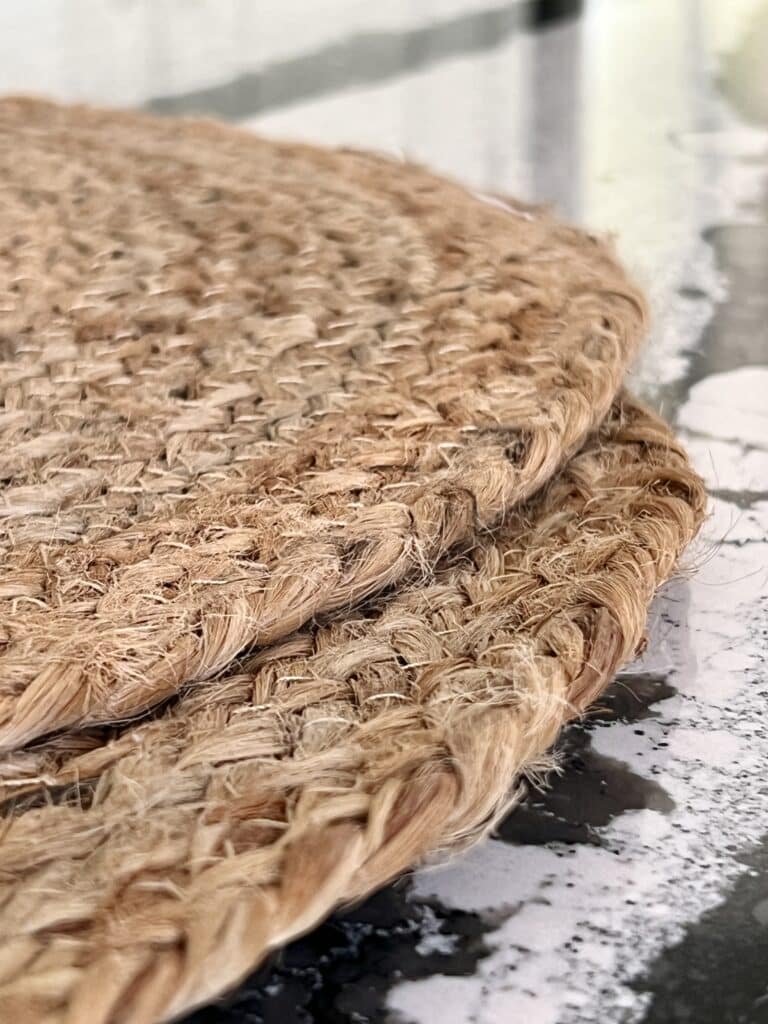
{"type": "Point", "coordinates": [545, 11]}
{"type": "Point", "coordinates": [554, 110]}
{"type": "Point", "coordinates": [493, 105]}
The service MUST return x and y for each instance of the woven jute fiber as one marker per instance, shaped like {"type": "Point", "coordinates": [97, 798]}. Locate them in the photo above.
{"type": "Point", "coordinates": [246, 384]}
{"type": "Point", "coordinates": [322, 512]}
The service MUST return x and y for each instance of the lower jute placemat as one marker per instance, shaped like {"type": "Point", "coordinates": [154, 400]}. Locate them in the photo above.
{"type": "Point", "coordinates": [321, 515]}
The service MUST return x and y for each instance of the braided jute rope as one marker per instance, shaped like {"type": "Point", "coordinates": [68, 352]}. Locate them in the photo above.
{"type": "Point", "coordinates": [243, 384]}
{"type": "Point", "coordinates": [166, 861]}
{"type": "Point", "coordinates": [320, 514]}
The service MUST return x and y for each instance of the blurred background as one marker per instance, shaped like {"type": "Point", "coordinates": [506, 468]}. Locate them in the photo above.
{"type": "Point", "coordinates": [468, 85]}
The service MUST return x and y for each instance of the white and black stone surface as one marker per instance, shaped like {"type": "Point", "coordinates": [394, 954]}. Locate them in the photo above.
{"type": "Point", "coordinates": [634, 891]}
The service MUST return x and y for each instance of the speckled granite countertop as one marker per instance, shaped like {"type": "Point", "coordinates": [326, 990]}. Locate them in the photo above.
{"type": "Point", "coordinates": [635, 891]}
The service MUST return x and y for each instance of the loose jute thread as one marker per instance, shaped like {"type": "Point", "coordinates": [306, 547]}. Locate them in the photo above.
{"type": "Point", "coordinates": [320, 515]}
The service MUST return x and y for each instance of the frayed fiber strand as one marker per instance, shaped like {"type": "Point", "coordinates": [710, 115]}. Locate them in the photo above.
{"type": "Point", "coordinates": [322, 512]}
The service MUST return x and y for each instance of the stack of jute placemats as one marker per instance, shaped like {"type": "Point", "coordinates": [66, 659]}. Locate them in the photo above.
{"type": "Point", "coordinates": [321, 511]}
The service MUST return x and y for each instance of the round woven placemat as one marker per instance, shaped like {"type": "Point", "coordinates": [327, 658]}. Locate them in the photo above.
{"type": "Point", "coordinates": [145, 873]}
{"type": "Point", "coordinates": [320, 515]}
{"type": "Point", "coordinates": [245, 383]}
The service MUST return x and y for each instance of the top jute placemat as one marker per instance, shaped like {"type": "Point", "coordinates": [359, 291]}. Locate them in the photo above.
{"type": "Point", "coordinates": [320, 515]}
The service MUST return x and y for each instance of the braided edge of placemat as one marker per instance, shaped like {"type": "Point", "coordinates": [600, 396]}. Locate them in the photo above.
{"type": "Point", "coordinates": [192, 917]}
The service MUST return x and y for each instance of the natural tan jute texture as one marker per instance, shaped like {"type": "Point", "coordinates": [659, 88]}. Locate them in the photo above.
{"type": "Point", "coordinates": [247, 383]}
{"type": "Point", "coordinates": [167, 861]}
{"type": "Point", "coordinates": [321, 512]}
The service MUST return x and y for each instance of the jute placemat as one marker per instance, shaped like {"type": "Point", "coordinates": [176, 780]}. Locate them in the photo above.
{"type": "Point", "coordinates": [249, 383]}
{"type": "Point", "coordinates": [290, 455]}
